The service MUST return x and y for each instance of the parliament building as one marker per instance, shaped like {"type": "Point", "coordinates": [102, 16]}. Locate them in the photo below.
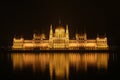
{"type": "Point", "coordinates": [59, 39]}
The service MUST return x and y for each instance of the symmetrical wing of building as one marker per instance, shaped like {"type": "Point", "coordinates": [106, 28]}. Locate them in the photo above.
{"type": "Point", "coordinates": [59, 39]}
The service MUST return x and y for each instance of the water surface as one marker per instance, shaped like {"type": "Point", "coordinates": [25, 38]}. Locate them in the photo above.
{"type": "Point", "coordinates": [59, 66]}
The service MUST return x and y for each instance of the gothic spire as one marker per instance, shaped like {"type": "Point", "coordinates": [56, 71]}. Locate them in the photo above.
{"type": "Point", "coordinates": [59, 21]}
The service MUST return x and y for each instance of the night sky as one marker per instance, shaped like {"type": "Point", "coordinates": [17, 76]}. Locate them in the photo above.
{"type": "Point", "coordinates": [24, 17]}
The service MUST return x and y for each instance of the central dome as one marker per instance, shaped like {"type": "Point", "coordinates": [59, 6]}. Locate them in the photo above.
{"type": "Point", "coordinates": [60, 29]}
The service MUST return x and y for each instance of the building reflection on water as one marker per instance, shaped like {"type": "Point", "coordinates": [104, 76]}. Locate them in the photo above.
{"type": "Point", "coordinates": [58, 63]}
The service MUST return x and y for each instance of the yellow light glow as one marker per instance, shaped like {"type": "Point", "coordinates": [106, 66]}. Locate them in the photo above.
{"type": "Point", "coordinates": [60, 39]}
{"type": "Point", "coordinates": [60, 62]}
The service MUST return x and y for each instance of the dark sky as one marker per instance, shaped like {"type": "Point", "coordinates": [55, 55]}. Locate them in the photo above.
{"type": "Point", "coordinates": [24, 17]}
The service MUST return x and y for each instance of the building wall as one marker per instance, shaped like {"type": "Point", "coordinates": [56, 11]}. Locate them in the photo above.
{"type": "Point", "coordinates": [60, 39]}
{"type": "Point", "coordinates": [102, 43]}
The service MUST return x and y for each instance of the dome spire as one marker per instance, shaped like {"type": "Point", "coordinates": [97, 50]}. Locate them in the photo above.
{"type": "Point", "coordinates": [59, 21]}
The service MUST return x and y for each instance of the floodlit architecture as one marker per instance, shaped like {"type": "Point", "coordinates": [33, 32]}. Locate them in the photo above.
{"type": "Point", "coordinates": [59, 39]}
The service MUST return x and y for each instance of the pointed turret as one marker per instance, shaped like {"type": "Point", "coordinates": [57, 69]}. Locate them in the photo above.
{"type": "Point", "coordinates": [34, 36]}
{"type": "Point", "coordinates": [51, 37]}
{"type": "Point", "coordinates": [51, 32]}
{"type": "Point", "coordinates": [59, 21]}
{"type": "Point", "coordinates": [85, 36]}
{"type": "Point", "coordinates": [67, 32]}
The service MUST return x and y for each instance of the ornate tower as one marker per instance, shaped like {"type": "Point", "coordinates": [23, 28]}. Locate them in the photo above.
{"type": "Point", "coordinates": [85, 36]}
{"type": "Point", "coordinates": [51, 37]}
{"type": "Point", "coordinates": [67, 32]}
{"type": "Point", "coordinates": [67, 37]}
{"type": "Point", "coordinates": [51, 32]}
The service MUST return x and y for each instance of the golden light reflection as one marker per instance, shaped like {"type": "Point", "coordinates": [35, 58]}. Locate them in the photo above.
{"type": "Point", "coordinates": [60, 63]}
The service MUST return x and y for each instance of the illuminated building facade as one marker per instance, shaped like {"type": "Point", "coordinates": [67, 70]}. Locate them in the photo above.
{"type": "Point", "coordinates": [59, 39]}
